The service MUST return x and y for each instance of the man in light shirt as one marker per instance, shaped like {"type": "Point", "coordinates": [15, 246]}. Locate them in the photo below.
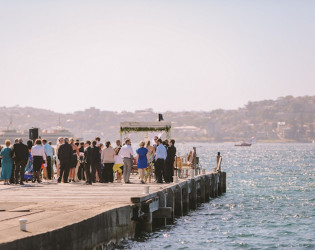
{"type": "Point", "coordinates": [49, 153]}
{"type": "Point", "coordinates": [160, 157]}
{"type": "Point", "coordinates": [39, 156]}
{"type": "Point", "coordinates": [126, 153]}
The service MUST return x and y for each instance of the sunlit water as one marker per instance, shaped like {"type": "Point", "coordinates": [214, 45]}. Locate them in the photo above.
{"type": "Point", "coordinates": [270, 202]}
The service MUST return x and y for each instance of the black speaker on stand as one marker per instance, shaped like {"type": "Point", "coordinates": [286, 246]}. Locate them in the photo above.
{"type": "Point", "coordinates": [33, 134]}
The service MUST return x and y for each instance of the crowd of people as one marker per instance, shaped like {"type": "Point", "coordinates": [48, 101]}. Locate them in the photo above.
{"type": "Point", "coordinates": [90, 161]}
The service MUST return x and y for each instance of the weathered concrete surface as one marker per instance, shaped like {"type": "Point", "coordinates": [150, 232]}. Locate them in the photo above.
{"type": "Point", "coordinates": [51, 206]}
{"type": "Point", "coordinates": [79, 216]}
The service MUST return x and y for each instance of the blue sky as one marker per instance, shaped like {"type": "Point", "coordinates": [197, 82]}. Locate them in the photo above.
{"type": "Point", "coordinates": [166, 55]}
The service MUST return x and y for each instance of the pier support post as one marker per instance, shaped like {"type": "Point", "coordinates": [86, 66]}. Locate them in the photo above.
{"type": "Point", "coordinates": [202, 190]}
{"type": "Point", "coordinates": [178, 209]}
{"type": "Point", "coordinates": [207, 188]}
{"type": "Point", "coordinates": [212, 185]}
{"type": "Point", "coordinates": [193, 194]}
{"type": "Point", "coordinates": [160, 222]}
{"type": "Point", "coordinates": [224, 182]}
{"type": "Point", "coordinates": [185, 198]}
{"type": "Point", "coordinates": [216, 184]}
{"type": "Point", "coordinates": [147, 223]}
{"type": "Point", "coordinates": [220, 183]}
{"type": "Point", "coordinates": [170, 203]}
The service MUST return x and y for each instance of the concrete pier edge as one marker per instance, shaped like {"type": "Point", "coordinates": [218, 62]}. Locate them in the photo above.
{"type": "Point", "coordinates": [143, 214]}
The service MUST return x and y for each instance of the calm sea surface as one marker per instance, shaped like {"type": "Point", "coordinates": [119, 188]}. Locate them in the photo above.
{"type": "Point", "coordinates": [270, 202]}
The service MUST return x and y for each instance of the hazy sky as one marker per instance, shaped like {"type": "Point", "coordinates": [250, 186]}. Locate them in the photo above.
{"type": "Point", "coordinates": [166, 55]}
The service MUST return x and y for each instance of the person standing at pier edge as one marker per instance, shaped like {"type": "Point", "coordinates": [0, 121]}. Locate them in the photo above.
{"type": "Point", "coordinates": [96, 161]}
{"type": "Point", "coordinates": [101, 166]}
{"type": "Point", "coordinates": [142, 161]}
{"type": "Point", "coordinates": [53, 160]}
{"type": "Point", "coordinates": [98, 167]}
{"type": "Point", "coordinates": [81, 167]}
{"type": "Point", "coordinates": [12, 178]}
{"type": "Point", "coordinates": [219, 160]}
{"type": "Point", "coordinates": [160, 157]}
{"type": "Point", "coordinates": [6, 162]}
{"type": "Point", "coordinates": [108, 154]}
{"type": "Point", "coordinates": [150, 156]}
{"type": "Point", "coordinates": [49, 154]}
{"type": "Point", "coordinates": [29, 166]}
{"type": "Point", "coordinates": [118, 162]}
{"type": "Point", "coordinates": [39, 157]}
{"type": "Point", "coordinates": [74, 160]}
{"type": "Point", "coordinates": [20, 151]}
{"type": "Point", "coordinates": [126, 153]}
{"type": "Point", "coordinates": [87, 162]}
{"type": "Point", "coordinates": [60, 141]}
{"type": "Point", "coordinates": [65, 156]}
{"type": "Point", "coordinates": [169, 163]}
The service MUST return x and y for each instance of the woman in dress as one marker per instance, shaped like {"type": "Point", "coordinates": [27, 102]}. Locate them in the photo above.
{"type": "Point", "coordinates": [142, 161]}
{"type": "Point", "coordinates": [74, 161]}
{"type": "Point", "coordinates": [29, 170]}
{"type": "Point", "coordinates": [39, 157]}
{"type": "Point", "coordinates": [6, 163]}
{"type": "Point", "coordinates": [81, 172]}
{"type": "Point", "coordinates": [150, 156]}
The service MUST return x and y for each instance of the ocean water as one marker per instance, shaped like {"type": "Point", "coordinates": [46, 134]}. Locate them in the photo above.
{"type": "Point", "coordinates": [270, 202]}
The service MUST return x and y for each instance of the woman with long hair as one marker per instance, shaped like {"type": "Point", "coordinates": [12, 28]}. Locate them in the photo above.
{"type": "Point", "coordinates": [74, 161]}
{"type": "Point", "coordinates": [150, 156]}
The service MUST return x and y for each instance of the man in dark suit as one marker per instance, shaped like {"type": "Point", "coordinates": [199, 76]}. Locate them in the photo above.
{"type": "Point", "coordinates": [12, 178]}
{"type": "Point", "coordinates": [65, 157]}
{"type": "Point", "coordinates": [20, 152]}
{"type": "Point", "coordinates": [169, 163]}
{"type": "Point", "coordinates": [87, 163]}
{"type": "Point", "coordinates": [96, 161]}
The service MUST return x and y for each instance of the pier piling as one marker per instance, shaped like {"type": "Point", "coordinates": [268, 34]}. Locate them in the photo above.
{"type": "Point", "coordinates": [192, 194]}
{"type": "Point", "coordinates": [178, 209]}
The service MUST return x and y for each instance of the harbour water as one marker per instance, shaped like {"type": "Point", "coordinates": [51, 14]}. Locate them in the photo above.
{"type": "Point", "coordinates": [270, 202]}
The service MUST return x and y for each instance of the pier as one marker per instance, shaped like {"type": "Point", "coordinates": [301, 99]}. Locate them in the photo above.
{"type": "Point", "coordinates": [79, 216]}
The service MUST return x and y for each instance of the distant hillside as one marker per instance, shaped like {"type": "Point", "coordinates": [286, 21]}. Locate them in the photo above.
{"type": "Point", "coordinates": [287, 119]}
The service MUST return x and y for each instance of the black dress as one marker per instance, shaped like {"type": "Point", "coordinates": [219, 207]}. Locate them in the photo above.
{"type": "Point", "coordinates": [81, 167]}
{"type": "Point", "coordinates": [74, 160]}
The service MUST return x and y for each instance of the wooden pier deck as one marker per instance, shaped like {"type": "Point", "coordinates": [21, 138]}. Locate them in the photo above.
{"type": "Point", "coordinates": [79, 216]}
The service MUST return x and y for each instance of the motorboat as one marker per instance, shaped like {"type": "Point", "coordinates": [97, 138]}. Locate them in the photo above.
{"type": "Point", "coordinates": [244, 144]}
